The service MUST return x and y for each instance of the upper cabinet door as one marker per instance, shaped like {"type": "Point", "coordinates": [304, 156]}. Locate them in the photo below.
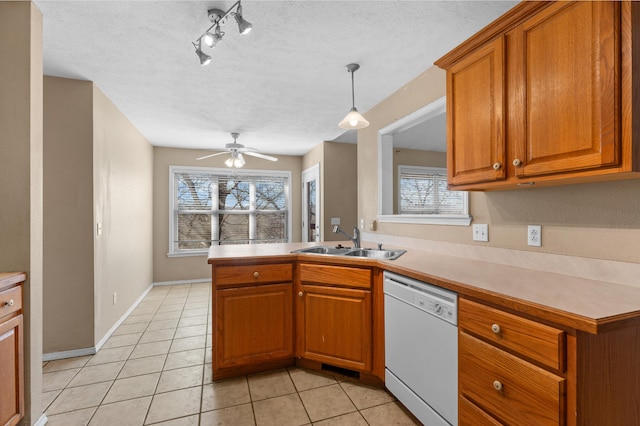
{"type": "Point", "coordinates": [475, 116]}
{"type": "Point", "coordinates": [564, 86]}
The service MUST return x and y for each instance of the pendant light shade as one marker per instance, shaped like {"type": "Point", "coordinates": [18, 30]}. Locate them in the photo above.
{"type": "Point", "coordinates": [353, 120]}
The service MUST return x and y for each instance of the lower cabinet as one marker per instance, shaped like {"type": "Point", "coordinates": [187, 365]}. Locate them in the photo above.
{"type": "Point", "coordinates": [11, 349]}
{"type": "Point", "coordinates": [334, 322]}
{"type": "Point", "coordinates": [524, 371]}
{"type": "Point", "coordinates": [255, 324]}
{"type": "Point", "coordinates": [511, 369]}
{"type": "Point", "coordinates": [252, 318]}
{"type": "Point", "coordinates": [334, 326]}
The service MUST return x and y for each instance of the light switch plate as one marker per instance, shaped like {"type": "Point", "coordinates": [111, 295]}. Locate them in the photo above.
{"type": "Point", "coordinates": [481, 232]}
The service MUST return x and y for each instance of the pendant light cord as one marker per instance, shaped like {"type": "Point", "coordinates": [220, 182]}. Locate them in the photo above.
{"type": "Point", "coordinates": [353, 93]}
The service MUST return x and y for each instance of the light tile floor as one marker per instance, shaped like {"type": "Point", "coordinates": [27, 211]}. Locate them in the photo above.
{"type": "Point", "coordinates": [156, 369]}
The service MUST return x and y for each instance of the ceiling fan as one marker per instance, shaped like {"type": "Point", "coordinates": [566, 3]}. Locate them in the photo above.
{"type": "Point", "coordinates": [236, 150]}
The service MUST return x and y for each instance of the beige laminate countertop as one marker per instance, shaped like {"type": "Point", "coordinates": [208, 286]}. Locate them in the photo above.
{"type": "Point", "coordinates": [8, 279]}
{"type": "Point", "coordinates": [577, 303]}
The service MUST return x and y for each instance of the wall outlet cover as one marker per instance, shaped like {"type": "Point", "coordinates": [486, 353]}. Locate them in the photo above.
{"type": "Point", "coordinates": [335, 221]}
{"type": "Point", "coordinates": [534, 235]}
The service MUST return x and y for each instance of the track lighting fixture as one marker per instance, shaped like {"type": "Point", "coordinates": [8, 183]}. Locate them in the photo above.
{"type": "Point", "coordinates": [214, 34]}
{"type": "Point", "coordinates": [353, 120]}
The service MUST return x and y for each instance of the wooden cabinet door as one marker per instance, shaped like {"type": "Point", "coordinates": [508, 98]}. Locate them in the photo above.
{"type": "Point", "coordinates": [475, 116]}
{"type": "Point", "coordinates": [11, 371]}
{"type": "Point", "coordinates": [334, 325]}
{"type": "Point", "coordinates": [253, 324]}
{"type": "Point", "coordinates": [564, 89]}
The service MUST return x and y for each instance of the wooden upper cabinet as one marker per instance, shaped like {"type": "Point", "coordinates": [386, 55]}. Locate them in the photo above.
{"type": "Point", "coordinates": [564, 69]}
{"type": "Point", "coordinates": [475, 97]}
{"type": "Point", "coordinates": [543, 96]}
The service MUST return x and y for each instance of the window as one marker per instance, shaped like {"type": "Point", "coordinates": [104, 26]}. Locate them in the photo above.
{"type": "Point", "coordinates": [215, 206]}
{"type": "Point", "coordinates": [423, 191]}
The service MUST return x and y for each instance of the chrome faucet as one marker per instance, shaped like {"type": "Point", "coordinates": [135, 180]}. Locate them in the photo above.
{"type": "Point", "coordinates": [356, 235]}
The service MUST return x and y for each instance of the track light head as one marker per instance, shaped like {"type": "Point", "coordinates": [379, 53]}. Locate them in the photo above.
{"type": "Point", "coordinates": [204, 58]}
{"type": "Point", "coordinates": [244, 26]}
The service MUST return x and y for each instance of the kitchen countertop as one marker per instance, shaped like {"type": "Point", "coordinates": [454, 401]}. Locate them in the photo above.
{"type": "Point", "coordinates": [576, 303]}
{"type": "Point", "coordinates": [8, 279]}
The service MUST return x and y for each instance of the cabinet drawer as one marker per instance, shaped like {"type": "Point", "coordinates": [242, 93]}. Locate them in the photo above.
{"type": "Point", "coordinates": [506, 386]}
{"type": "Point", "coordinates": [472, 415]}
{"type": "Point", "coordinates": [342, 276]}
{"type": "Point", "coordinates": [536, 341]}
{"type": "Point", "coordinates": [10, 301]}
{"type": "Point", "coordinates": [253, 274]}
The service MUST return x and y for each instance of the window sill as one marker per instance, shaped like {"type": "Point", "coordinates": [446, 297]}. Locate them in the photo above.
{"type": "Point", "coordinates": [426, 219]}
{"type": "Point", "coordinates": [188, 254]}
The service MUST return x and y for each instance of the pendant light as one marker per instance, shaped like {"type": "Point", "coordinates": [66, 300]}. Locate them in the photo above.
{"type": "Point", "coordinates": [353, 120]}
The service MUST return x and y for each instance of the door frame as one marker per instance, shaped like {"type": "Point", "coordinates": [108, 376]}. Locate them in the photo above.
{"type": "Point", "coordinates": [308, 175]}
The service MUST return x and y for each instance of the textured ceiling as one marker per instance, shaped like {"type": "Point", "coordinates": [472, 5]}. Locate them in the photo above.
{"type": "Point", "coordinates": [283, 87]}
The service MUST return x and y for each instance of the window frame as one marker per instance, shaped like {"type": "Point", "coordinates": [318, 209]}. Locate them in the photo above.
{"type": "Point", "coordinates": [440, 171]}
{"type": "Point", "coordinates": [429, 218]}
{"type": "Point", "coordinates": [219, 172]}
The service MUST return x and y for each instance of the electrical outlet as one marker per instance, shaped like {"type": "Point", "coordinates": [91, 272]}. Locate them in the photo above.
{"type": "Point", "coordinates": [534, 235]}
{"type": "Point", "coordinates": [335, 221]}
{"type": "Point", "coordinates": [115, 298]}
{"type": "Point", "coordinates": [481, 232]}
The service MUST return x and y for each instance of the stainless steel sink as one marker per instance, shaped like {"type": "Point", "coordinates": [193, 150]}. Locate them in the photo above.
{"type": "Point", "coordinates": [376, 253]}
{"type": "Point", "coordinates": [390, 254]}
{"type": "Point", "coordinates": [324, 250]}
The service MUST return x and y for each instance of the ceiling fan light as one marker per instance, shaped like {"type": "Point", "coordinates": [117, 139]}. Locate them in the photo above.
{"type": "Point", "coordinates": [353, 120]}
{"type": "Point", "coordinates": [239, 161]}
{"type": "Point", "coordinates": [229, 162]}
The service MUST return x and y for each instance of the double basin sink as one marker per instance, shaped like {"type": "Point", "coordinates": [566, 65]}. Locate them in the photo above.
{"type": "Point", "coordinates": [386, 254]}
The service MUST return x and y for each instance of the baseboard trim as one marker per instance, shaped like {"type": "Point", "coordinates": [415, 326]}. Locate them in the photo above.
{"type": "Point", "coordinates": [41, 421]}
{"type": "Point", "coordinates": [52, 356]}
{"type": "Point", "coordinates": [122, 318]}
{"type": "Point", "coordinates": [203, 280]}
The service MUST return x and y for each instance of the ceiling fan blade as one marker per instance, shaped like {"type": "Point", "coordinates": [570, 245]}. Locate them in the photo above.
{"type": "Point", "coordinates": [263, 156]}
{"type": "Point", "coordinates": [212, 155]}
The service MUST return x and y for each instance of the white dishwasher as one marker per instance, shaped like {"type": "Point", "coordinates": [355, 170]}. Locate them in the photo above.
{"type": "Point", "coordinates": [421, 348]}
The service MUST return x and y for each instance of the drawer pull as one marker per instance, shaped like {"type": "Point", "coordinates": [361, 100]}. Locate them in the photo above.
{"type": "Point", "coordinates": [497, 385]}
{"type": "Point", "coordinates": [300, 294]}
{"type": "Point", "coordinates": [9, 303]}
{"type": "Point", "coordinates": [495, 328]}
{"type": "Point", "coordinates": [256, 274]}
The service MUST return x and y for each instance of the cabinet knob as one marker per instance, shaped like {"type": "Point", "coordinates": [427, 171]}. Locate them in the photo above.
{"type": "Point", "coordinates": [9, 303]}
{"type": "Point", "coordinates": [517, 162]}
{"type": "Point", "coordinates": [256, 274]}
{"type": "Point", "coordinates": [300, 293]}
{"type": "Point", "coordinates": [497, 385]}
{"type": "Point", "coordinates": [496, 166]}
{"type": "Point", "coordinates": [495, 328]}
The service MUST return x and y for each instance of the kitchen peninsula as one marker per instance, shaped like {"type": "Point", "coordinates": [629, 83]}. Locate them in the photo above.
{"type": "Point", "coordinates": [562, 348]}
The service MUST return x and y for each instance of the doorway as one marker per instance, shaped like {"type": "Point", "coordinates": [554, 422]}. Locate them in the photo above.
{"type": "Point", "coordinates": [311, 228]}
